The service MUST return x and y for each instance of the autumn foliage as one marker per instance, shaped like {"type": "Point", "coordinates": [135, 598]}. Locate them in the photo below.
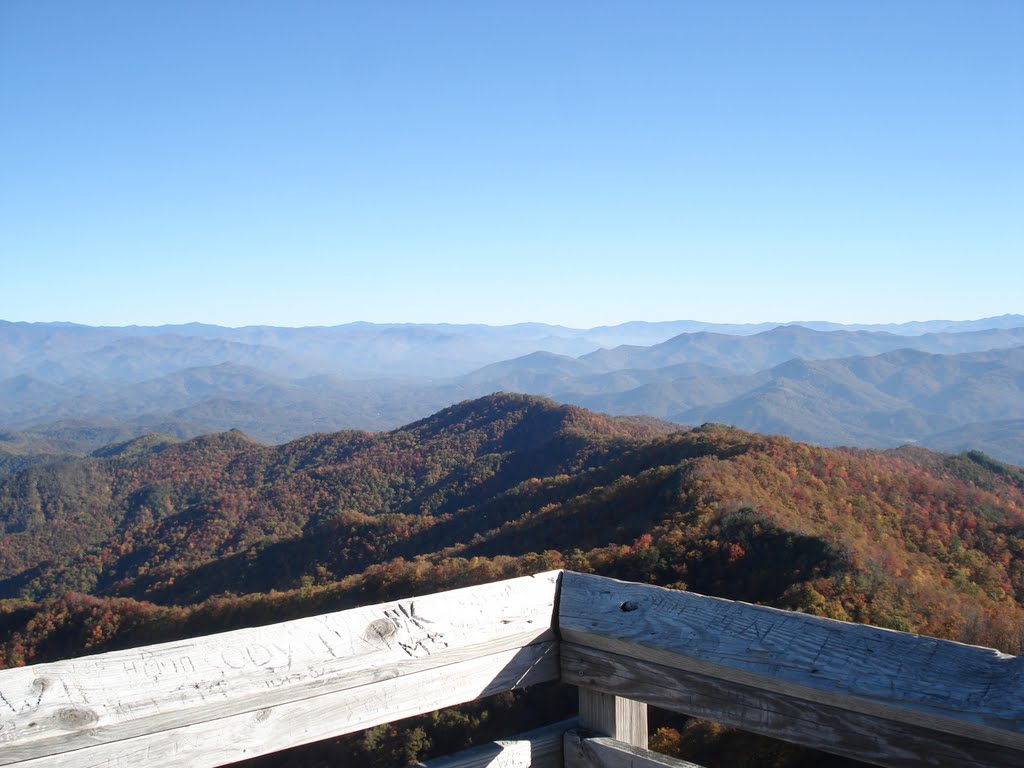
{"type": "Point", "coordinates": [158, 539]}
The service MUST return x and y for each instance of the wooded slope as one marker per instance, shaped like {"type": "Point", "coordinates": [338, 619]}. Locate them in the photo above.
{"type": "Point", "coordinates": [501, 486]}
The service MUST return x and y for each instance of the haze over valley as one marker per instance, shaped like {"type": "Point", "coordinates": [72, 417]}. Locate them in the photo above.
{"type": "Point", "coordinates": [950, 385]}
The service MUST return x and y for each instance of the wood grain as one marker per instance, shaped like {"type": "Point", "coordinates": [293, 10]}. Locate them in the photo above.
{"type": "Point", "coordinates": [582, 751]}
{"type": "Point", "coordinates": [539, 748]}
{"type": "Point", "coordinates": [620, 718]}
{"type": "Point", "coordinates": [778, 715]}
{"type": "Point", "coordinates": [51, 708]}
{"type": "Point", "coordinates": [963, 690]}
{"type": "Point", "coordinates": [864, 692]}
{"type": "Point", "coordinates": [270, 729]}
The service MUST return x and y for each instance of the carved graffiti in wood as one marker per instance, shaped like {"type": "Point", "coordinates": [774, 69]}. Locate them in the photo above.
{"type": "Point", "coordinates": [403, 628]}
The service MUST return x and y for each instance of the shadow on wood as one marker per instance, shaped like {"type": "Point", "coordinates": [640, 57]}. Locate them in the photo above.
{"type": "Point", "coordinates": [886, 697]}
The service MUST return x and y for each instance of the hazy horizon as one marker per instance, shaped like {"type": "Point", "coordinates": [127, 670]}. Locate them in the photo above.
{"type": "Point", "coordinates": [911, 321]}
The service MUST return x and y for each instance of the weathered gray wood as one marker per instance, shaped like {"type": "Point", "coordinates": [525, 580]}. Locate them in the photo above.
{"type": "Point", "coordinates": [779, 715]}
{"type": "Point", "coordinates": [539, 748]}
{"type": "Point", "coordinates": [51, 708]}
{"type": "Point", "coordinates": [270, 729]}
{"type": "Point", "coordinates": [582, 751]}
{"type": "Point", "coordinates": [620, 718]}
{"type": "Point", "coordinates": [977, 693]}
{"type": "Point", "coordinates": [872, 694]}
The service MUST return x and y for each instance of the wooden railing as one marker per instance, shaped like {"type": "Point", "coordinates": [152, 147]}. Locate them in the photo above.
{"type": "Point", "coordinates": [880, 696]}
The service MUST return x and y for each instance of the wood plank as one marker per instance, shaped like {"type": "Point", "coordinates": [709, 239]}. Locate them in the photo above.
{"type": "Point", "coordinates": [581, 751]}
{"type": "Point", "coordinates": [620, 718]}
{"type": "Point", "coordinates": [49, 708]}
{"type": "Point", "coordinates": [539, 748]}
{"type": "Point", "coordinates": [779, 715]}
{"type": "Point", "coordinates": [270, 729]}
{"type": "Point", "coordinates": [959, 689]}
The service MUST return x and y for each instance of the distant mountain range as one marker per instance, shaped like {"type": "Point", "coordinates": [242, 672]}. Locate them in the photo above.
{"type": "Point", "coordinates": [882, 400]}
{"type": "Point", "coordinates": [778, 345]}
{"type": "Point", "coordinates": [65, 351]}
{"type": "Point", "coordinates": [67, 388]}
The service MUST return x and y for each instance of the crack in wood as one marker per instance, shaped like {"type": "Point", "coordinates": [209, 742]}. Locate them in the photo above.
{"type": "Point", "coordinates": [5, 701]}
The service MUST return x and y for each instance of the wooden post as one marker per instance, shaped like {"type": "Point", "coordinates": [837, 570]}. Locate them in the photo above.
{"type": "Point", "coordinates": [608, 715]}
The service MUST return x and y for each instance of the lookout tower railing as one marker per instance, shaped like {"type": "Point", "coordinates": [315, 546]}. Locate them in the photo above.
{"type": "Point", "coordinates": [876, 695]}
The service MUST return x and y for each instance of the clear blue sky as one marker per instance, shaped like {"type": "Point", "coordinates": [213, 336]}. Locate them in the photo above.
{"type": "Point", "coordinates": [302, 163]}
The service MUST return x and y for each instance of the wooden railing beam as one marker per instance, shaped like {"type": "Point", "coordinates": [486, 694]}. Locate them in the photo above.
{"type": "Point", "coordinates": [822, 683]}
{"type": "Point", "coordinates": [210, 700]}
{"type": "Point", "coordinates": [879, 696]}
{"type": "Point", "coordinates": [830, 729]}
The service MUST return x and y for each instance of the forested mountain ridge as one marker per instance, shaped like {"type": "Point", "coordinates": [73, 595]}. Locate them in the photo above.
{"type": "Point", "coordinates": [133, 519]}
{"type": "Point", "coordinates": [494, 487]}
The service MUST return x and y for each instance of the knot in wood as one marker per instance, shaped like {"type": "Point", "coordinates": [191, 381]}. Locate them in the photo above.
{"type": "Point", "coordinates": [381, 630]}
{"type": "Point", "coordinates": [40, 684]}
{"type": "Point", "coordinates": [628, 606]}
{"type": "Point", "coordinates": [72, 718]}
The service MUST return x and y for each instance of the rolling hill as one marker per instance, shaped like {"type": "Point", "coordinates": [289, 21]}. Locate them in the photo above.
{"type": "Point", "coordinates": [910, 539]}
